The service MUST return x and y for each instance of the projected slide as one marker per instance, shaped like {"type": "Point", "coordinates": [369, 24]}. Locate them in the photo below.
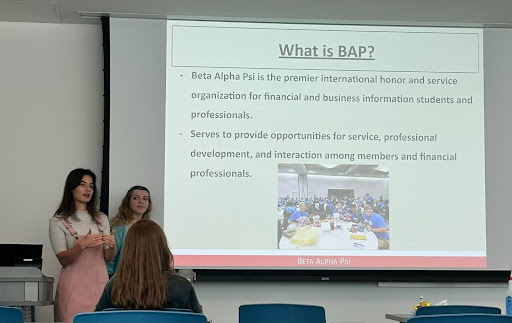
{"type": "Point", "coordinates": [305, 146]}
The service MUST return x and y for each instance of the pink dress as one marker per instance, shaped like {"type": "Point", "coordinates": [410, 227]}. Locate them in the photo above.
{"type": "Point", "coordinates": [81, 283]}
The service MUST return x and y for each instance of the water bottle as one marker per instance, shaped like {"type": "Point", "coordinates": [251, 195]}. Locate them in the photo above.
{"type": "Point", "coordinates": [508, 297]}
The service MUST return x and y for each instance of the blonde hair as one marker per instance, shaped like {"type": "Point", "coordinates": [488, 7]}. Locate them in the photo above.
{"type": "Point", "coordinates": [125, 214]}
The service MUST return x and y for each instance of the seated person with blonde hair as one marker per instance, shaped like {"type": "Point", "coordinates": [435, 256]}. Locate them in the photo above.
{"type": "Point", "coordinates": [135, 206]}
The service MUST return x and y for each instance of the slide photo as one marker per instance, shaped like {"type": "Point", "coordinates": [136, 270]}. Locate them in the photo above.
{"type": "Point", "coordinates": [323, 206]}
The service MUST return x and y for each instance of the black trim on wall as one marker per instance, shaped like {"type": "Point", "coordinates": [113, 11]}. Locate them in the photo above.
{"type": "Point", "coordinates": [105, 24]}
{"type": "Point", "coordinates": [383, 275]}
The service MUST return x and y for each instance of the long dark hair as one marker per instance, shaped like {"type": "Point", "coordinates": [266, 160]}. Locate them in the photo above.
{"type": "Point", "coordinates": [125, 214]}
{"type": "Point", "coordinates": [140, 283]}
{"type": "Point", "coordinates": [67, 206]}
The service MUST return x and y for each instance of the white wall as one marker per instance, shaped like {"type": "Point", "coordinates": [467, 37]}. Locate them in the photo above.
{"type": "Point", "coordinates": [51, 88]}
{"type": "Point", "coordinates": [51, 122]}
{"type": "Point", "coordinates": [137, 154]}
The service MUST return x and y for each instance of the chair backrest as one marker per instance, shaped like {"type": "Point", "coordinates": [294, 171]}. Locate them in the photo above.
{"type": "Point", "coordinates": [461, 318]}
{"type": "Point", "coordinates": [10, 315]}
{"type": "Point", "coordinates": [173, 309]}
{"type": "Point", "coordinates": [136, 316]}
{"type": "Point", "coordinates": [289, 313]}
{"type": "Point", "coordinates": [457, 309]}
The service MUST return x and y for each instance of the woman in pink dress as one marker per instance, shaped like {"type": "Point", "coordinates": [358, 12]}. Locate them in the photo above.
{"type": "Point", "coordinates": [80, 238]}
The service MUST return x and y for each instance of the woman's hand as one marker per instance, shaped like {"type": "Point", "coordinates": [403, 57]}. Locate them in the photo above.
{"type": "Point", "coordinates": [91, 240]}
{"type": "Point", "coordinates": [110, 240]}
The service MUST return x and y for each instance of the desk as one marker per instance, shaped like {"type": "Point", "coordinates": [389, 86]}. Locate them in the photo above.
{"type": "Point", "coordinates": [338, 239]}
{"type": "Point", "coordinates": [25, 287]}
{"type": "Point", "coordinates": [399, 317]}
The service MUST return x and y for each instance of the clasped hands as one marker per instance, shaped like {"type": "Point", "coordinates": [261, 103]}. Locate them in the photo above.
{"type": "Point", "coordinates": [93, 240]}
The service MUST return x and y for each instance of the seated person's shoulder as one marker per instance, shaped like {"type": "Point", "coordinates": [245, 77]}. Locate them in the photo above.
{"type": "Point", "coordinates": [178, 283]}
{"type": "Point", "coordinates": [178, 280]}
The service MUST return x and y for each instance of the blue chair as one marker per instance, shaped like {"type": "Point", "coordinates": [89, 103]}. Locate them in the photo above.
{"type": "Point", "coordinates": [289, 313]}
{"type": "Point", "coordinates": [461, 318]}
{"type": "Point", "coordinates": [457, 309]}
{"type": "Point", "coordinates": [172, 309]}
{"type": "Point", "coordinates": [138, 316]}
{"type": "Point", "coordinates": [10, 315]}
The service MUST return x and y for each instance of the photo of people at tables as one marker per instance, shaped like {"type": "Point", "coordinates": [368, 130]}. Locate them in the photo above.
{"type": "Point", "coordinates": [333, 206]}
